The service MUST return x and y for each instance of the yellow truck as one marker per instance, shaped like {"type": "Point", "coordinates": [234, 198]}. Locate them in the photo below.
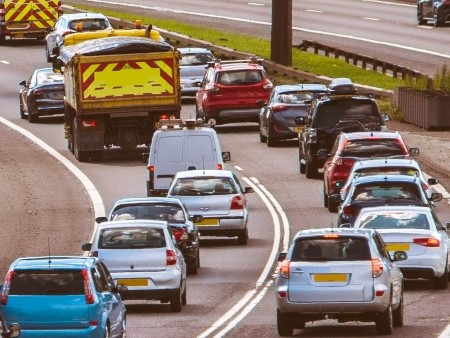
{"type": "Point", "coordinates": [116, 90]}
{"type": "Point", "coordinates": [27, 18]}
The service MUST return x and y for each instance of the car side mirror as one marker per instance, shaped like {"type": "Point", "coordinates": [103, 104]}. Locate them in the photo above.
{"type": "Point", "coordinates": [282, 256]}
{"type": "Point", "coordinates": [22, 83]}
{"type": "Point", "coordinates": [197, 218]}
{"type": "Point", "coordinates": [86, 246]}
{"type": "Point", "coordinates": [248, 190]}
{"type": "Point", "coordinates": [433, 181]}
{"type": "Point", "coordinates": [414, 151]}
{"type": "Point", "coordinates": [101, 219]}
{"type": "Point", "coordinates": [436, 197]}
{"type": "Point", "coordinates": [386, 117]}
{"type": "Point", "coordinates": [322, 154]}
{"type": "Point", "coordinates": [300, 120]}
{"type": "Point", "coordinates": [226, 156]}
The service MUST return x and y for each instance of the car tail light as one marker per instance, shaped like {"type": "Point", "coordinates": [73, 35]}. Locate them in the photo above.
{"type": "Point", "coordinates": [279, 107]}
{"type": "Point", "coordinates": [88, 294]}
{"type": "Point", "coordinates": [430, 242]}
{"type": "Point", "coordinates": [151, 170]}
{"type": "Point", "coordinates": [180, 234]}
{"type": "Point", "coordinates": [377, 267]}
{"type": "Point", "coordinates": [237, 203]}
{"type": "Point", "coordinates": [171, 257]}
{"type": "Point", "coordinates": [284, 268]}
{"type": "Point", "coordinates": [349, 211]}
{"type": "Point", "coordinates": [342, 168]}
{"type": "Point", "coordinates": [6, 287]}
{"type": "Point", "coordinates": [88, 123]}
{"type": "Point", "coordinates": [219, 166]}
{"type": "Point", "coordinates": [425, 185]}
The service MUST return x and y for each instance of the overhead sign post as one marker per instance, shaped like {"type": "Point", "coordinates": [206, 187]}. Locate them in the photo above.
{"type": "Point", "coordinates": [281, 38]}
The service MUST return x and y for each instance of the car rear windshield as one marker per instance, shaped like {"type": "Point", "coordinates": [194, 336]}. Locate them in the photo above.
{"type": "Point", "coordinates": [155, 211]}
{"type": "Point", "coordinates": [374, 148]}
{"type": "Point", "coordinates": [388, 171]}
{"type": "Point", "coordinates": [296, 97]}
{"type": "Point", "coordinates": [54, 282]}
{"type": "Point", "coordinates": [89, 24]}
{"type": "Point", "coordinates": [395, 220]}
{"type": "Point", "coordinates": [386, 191]}
{"type": "Point", "coordinates": [240, 77]}
{"type": "Point", "coordinates": [330, 113]}
{"type": "Point", "coordinates": [332, 248]}
{"type": "Point", "coordinates": [195, 59]}
{"type": "Point", "coordinates": [204, 186]}
{"type": "Point", "coordinates": [130, 237]}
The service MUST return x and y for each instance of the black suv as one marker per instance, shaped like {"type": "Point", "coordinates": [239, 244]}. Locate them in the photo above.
{"type": "Point", "coordinates": [341, 109]}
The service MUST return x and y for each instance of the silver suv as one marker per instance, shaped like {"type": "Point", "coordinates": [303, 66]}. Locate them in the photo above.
{"type": "Point", "coordinates": [342, 274]}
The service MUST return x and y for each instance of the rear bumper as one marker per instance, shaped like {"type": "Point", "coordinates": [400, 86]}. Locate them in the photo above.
{"type": "Point", "coordinates": [234, 115]}
{"type": "Point", "coordinates": [228, 227]}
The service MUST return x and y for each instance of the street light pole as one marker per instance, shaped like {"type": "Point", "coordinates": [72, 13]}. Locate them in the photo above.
{"type": "Point", "coordinates": [281, 37]}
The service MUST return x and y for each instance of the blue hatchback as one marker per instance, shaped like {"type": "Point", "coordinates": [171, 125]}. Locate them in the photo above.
{"type": "Point", "coordinates": [62, 296]}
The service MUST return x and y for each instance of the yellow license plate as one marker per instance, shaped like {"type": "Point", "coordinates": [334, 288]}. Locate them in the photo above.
{"type": "Point", "coordinates": [133, 282]}
{"type": "Point", "coordinates": [397, 247]}
{"type": "Point", "coordinates": [298, 129]}
{"type": "Point", "coordinates": [209, 222]}
{"type": "Point", "coordinates": [330, 277]}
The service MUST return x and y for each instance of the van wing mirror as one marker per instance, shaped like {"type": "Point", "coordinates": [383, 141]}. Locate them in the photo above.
{"type": "Point", "coordinates": [436, 197]}
{"type": "Point", "coordinates": [248, 190]}
{"type": "Point", "coordinates": [101, 219]}
{"type": "Point", "coordinates": [226, 156]}
{"type": "Point", "coordinates": [86, 246]}
{"type": "Point", "coordinates": [414, 151]}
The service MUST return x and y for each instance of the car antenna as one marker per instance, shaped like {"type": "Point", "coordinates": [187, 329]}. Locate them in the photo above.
{"type": "Point", "coordinates": [48, 245]}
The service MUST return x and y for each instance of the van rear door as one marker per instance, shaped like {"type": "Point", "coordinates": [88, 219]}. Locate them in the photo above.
{"type": "Point", "coordinates": [168, 159]}
{"type": "Point", "coordinates": [201, 152]}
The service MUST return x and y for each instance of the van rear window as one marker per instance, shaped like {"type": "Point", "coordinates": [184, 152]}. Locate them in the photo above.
{"type": "Point", "coordinates": [63, 282]}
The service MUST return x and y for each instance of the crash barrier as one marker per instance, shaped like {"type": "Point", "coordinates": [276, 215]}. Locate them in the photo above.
{"type": "Point", "coordinates": [363, 61]}
{"type": "Point", "coordinates": [177, 40]}
{"type": "Point", "coordinates": [425, 108]}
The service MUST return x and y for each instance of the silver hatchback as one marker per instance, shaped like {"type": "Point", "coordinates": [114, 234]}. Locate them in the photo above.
{"type": "Point", "coordinates": [342, 274]}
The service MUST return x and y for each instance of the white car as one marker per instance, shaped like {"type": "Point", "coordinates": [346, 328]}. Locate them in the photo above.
{"type": "Point", "coordinates": [143, 255]}
{"type": "Point", "coordinates": [389, 166]}
{"type": "Point", "coordinates": [217, 196]}
{"type": "Point", "coordinates": [417, 231]}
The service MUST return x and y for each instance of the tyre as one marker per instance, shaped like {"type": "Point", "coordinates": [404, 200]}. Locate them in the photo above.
{"type": "Point", "coordinates": [32, 118]}
{"type": "Point", "coordinates": [81, 156]}
{"type": "Point", "coordinates": [271, 142]}
{"type": "Point", "coordinates": [384, 321]}
{"type": "Point", "coordinates": [262, 138]}
{"type": "Point", "coordinates": [243, 237]}
{"type": "Point", "coordinates": [397, 314]}
{"type": "Point", "coordinates": [420, 19]}
{"type": "Point", "coordinates": [198, 258]}
{"type": "Point", "coordinates": [311, 169]}
{"type": "Point", "coordinates": [176, 301]}
{"type": "Point", "coordinates": [184, 297]}
{"type": "Point", "coordinates": [332, 206]}
{"type": "Point", "coordinates": [107, 332]}
{"type": "Point", "coordinates": [22, 112]}
{"type": "Point", "coordinates": [325, 198]}
{"type": "Point", "coordinates": [436, 21]}
{"type": "Point", "coordinates": [302, 166]}
{"type": "Point", "coordinates": [285, 324]}
{"type": "Point", "coordinates": [441, 283]}
{"type": "Point", "coordinates": [192, 268]}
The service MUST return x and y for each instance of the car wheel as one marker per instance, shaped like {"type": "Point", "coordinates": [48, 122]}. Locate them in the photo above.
{"type": "Point", "coordinates": [184, 297]}
{"type": "Point", "coordinates": [384, 321]}
{"type": "Point", "coordinates": [436, 21]}
{"type": "Point", "coordinates": [441, 283]}
{"type": "Point", "coordinates": [325, 198]}
{"type": "Point", "coordinates": [81, 156]}
{"type": "Point", "coordinates": [198, 258]}
{"type": "Point", "coordinates": [285, 324]}
{"type": "Point", "coordinates": [420, 19]}
{"type": "Point", "coordinates": [262, 138]}
{"type": "Point", "coordinates": [332, 206]}
{"type": "Point", "coordinates": [107, 332]}
{"type": "Point", "coordinates": [398, 313]}
{"type": "Point", "coordinates": [32, 118]}
{"type": "Point", "coordinates": [311, 169]}
{"type": "Point", "coordinates": [175, 301]}
{"type": "Point", "coordinates": [192, 268]}
{"type": "Point", "coordinates": [22, 112]}
{"type": "Point", "coordinates": [243, 237]}
{"type": "Point", "coordinates": [271, 142]}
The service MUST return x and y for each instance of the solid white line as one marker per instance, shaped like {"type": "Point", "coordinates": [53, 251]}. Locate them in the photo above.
{"type": "Point", "coordinates": [313, 11]}
{"type": "Point", "coordinates": [372, 19]}
{"type": "Point", "coordinates": [255, 4]}
{"type": "Point", "coordinates": [445, 333]}
{"type": "Point", "coordinates": [99, 208]}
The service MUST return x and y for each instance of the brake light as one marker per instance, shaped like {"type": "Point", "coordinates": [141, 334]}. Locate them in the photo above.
{"type": "Point", "coordinates": [171, 257]}
{"type": "Point", "coordinates": [88, 123]}
{"type": "Point", "coordinates": [6, 287]}
{"type": "Point", "coordinates": [430, 242]}
{"type": "Point", "coordinates": [279, 107]}
{"type": "Point", "coordinates": [219, 166]}
{"type": "Point", "coordinates": [151, 170]}
{"type": "Point", "coordinates": [345, 162]}
{"type": "Point", "coordinates": [88, 294]}
{"type": "Point", "coordinates": [349, 211]}
{"type": "Point", "coordinates": [180, 234]}
{"type": "Point", "coordinates": [425, 185]}
{"type": "Point", "coordinates": [284, 268]}
{"type": "Point", "coordinates": [237, 203]}
{"type": "Point", "coordinates": [377, 267]}
{"type": "Point", "coordinates": [331, 236]}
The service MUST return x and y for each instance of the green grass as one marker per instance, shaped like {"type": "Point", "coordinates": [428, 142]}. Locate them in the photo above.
{"type": "Point", "coordinates": [303, 61]}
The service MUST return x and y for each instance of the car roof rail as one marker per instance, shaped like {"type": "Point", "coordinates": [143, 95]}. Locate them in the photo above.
{"type": "Point", "coordinates": [250, 60]}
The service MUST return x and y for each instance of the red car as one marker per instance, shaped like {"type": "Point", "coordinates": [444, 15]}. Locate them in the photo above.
{"type": "Point", "coordinates": [351, 147]}
{"type": "Point", "coordinates": [231, 91]}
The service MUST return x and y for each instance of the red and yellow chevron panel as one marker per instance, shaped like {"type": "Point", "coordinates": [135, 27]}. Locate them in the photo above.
{"type": "Point", "coordinates": [38, 13]}
{"type": "Point", "coordinates": [128, 79]}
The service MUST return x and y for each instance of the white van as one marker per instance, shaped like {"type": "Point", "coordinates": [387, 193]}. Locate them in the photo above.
{"type": "Point", "coordinates": [178, 146]}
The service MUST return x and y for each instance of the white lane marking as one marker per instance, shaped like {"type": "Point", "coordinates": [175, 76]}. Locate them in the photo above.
{"type": "Point", "coordinates": [445, 333]}
{"type": "Point", "coordinates": [372, 19]}
{"type": "Point", "coordinates": [255, 4]}
{"type": "Point", "coordinates": [313, 11]}
{"type": "Point", "coordinates": [99, 208]}
{"type": "Point", "coordinates": [389, 3]}
{"type": "Point", "coordinates": [382, 43]}
{"type": "Point", "coordinates": [4, 62]}
{"type": "Point", "coordinates": [238, 168]}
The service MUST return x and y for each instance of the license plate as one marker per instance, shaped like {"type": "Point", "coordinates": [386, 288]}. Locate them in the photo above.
{"type": "Point", "coordinates": [133, 282]}
{"type": "Point", "coordinates": [209, 222]}
{"type": "Point", "coordinates": [297, 129]}
{"type": "Point", "coordinates": [330, 277]}
{"type": "Point", "coordinates": [397, 247]}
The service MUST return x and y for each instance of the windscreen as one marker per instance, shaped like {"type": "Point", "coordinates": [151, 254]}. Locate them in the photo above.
{"type": "Point", "coordinates": [394, 220]}
{"type": "Point", "coordinates": [54, 282]}
{"type": "Point", "coordinates": [374, 147]}
{"type": "Point", "coordinates": [336, 248]}
{"type": "Point", "coordinates": [204, 186]}
{"type": "Point", "coordinates": [129, 237]}
{"type": "Point", "coordinates": [386, 191]}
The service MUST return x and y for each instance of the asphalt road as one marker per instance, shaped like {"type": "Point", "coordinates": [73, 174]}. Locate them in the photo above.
{"type": "Point", "coordinates": [32, 180]}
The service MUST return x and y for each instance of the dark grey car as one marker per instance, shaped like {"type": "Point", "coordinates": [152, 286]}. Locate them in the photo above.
{"type": "Point", "coordinates": [193, 68]}
{"type": "Point", "coordinates": [437, 11]}
{"type": "Point", "coordinates": [286, 102]}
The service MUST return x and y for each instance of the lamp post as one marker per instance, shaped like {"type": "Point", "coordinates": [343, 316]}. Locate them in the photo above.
{"type": "Point", "coordinates": [281, 37]}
